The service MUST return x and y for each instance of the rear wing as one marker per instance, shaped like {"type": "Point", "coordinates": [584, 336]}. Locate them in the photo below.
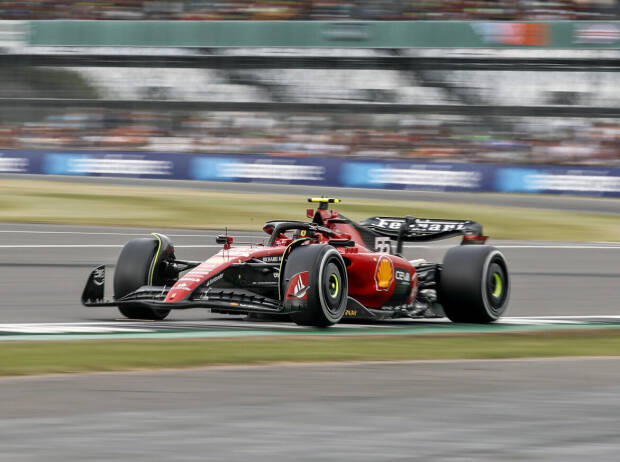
{"type": "Point", "coordinates": [411, 229]}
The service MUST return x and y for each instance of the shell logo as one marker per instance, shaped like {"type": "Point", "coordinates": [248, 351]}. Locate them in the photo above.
{"type": "Point", "coordinates": [384, 274]}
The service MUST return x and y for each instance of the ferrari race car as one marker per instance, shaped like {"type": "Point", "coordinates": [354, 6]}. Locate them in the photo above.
{"type": "Point", "coordinates": [316, 272]}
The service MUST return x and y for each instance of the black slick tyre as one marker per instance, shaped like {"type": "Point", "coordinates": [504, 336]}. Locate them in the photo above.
{"type": "Point", "coordinates": [136, 267]}
{"type": "Point", "coordinates": [327, 291]}
{"type": "Point", "coordinates": [474, 286]}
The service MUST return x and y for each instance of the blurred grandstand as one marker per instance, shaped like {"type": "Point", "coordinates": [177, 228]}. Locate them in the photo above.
{"type": "Point", "coordinates": [312, 9]}
{"type": "Point", "coordinates": [525, 106]}
{"type": "Point", "coordinates": [426, 137]}
{"type": "Point", "coordinates": [437, 115]}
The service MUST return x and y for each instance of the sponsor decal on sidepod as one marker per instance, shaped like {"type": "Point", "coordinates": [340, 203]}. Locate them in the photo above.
{"type": "Point", "coordinates": [384, 273]}
{"type": "Point", "coordinates": [298, 287]}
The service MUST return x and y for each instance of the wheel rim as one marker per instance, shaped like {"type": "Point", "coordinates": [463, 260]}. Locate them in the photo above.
{"type": "Point", "coordinates": [497, 282]}
{"type": "Point", "coordinates": [497, 286]}
{"type": "Point", "coordinates": [334, 285]}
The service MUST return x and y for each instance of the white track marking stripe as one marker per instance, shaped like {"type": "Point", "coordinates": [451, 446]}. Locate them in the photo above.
{"type": "Point", "coordinates": [575, 247]}
{"type": "Point", "coordinates": [93, 246]}
{"type": "Point", "coordinates": [214, 246]}
{"type": "Point", "coordinates": [593, 316]}
{"type": "Point", "coordinates": [171, 326]}
{"type": "Point", "coordinates": [516, 246]}
{"type": "Point", "coordinates": [85, 233]}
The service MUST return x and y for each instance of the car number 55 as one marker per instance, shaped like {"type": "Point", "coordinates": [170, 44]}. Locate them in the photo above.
{"type": "Point", "coordinates": [383, 245]}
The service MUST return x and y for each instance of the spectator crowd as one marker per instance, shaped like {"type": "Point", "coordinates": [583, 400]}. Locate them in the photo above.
{"type": "Point", "coordinates": [431, 138]}
{"type": "Point", "coordinates": [311, 9]}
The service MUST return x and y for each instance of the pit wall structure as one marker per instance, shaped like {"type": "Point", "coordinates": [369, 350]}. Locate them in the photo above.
{"type": "Point", "coordinates": [318, 171]}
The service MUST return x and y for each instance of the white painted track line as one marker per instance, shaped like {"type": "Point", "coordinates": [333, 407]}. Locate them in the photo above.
{"type": "Point", "coordinates": [93, 246]}
{"type": "Point", "coordinates": [525, 246]}
{"type": "Point", "coordinates": [93, 233]}
{"type": "Point", "coordinates": [499, 246]}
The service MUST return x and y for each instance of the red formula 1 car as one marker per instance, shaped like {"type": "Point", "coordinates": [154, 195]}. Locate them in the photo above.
{"type": "Point", "coordinates": [317, 273]}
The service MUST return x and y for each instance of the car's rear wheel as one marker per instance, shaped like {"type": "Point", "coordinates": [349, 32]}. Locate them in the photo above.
{"type": "Point", "coordinates": [322, 271]}
{"type": "Point", "coordinates": [139, 265]}
{"type": "Point", "coordinates": [474, 286]}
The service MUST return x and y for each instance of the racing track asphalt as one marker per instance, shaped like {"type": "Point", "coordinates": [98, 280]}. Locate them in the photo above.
{"type": "Point", "coordinates": [43, 269]}
{"type": "Point", "coordinates": [556, 410]}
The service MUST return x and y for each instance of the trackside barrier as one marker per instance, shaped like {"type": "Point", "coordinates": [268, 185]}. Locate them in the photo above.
{"type": "Point", "coordinates": [318, 171]}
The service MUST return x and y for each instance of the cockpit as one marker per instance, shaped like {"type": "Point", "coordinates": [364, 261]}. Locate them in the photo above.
{"type": "Point", "coordinates": [284, 232]}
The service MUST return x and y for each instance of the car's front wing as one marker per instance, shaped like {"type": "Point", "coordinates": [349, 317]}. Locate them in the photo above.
{"type": "Point", "coordinates": [232, 300]}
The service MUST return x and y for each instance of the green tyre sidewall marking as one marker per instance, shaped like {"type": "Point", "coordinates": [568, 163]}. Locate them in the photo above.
{"type": "Point", "coordinates": [153, 263]}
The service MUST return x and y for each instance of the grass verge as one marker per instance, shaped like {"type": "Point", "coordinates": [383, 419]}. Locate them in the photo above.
{"type": "Point", "coordinates": [27, 358]}
{"type": "Point", "coordinates": [43, 201]}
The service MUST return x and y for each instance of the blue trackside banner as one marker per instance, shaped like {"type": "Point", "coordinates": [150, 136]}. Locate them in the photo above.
{"type": "Point", "coordinates": [558, 180]}
{"type": "Point", "coordinates": [319, 171]}
{"type": "Point", "coordinates": [417, 175]}
{"type": "Point", "coordinates": [249, 168]}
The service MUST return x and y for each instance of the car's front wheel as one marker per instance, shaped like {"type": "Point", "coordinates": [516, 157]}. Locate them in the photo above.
{"type": "Point", "coordinates": [315, 281]}
{"type": "Point", "coordinates": [139, 265]}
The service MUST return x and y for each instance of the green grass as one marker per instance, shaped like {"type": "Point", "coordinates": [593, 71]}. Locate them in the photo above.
{"type": "Point", "coordinates": [27, 358]}
{"type": "Point", "coordinates": [92, 204]}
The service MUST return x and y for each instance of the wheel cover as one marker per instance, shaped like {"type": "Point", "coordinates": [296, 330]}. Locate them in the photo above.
{"type": "Point", "coordinates": [334, 285]}
{"type": "Point", "coordinates": [497, 282]}
{"type": "Point", "coordinates": [331, 288]}
{"type": "Point", "coordinates": [496, 287]}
